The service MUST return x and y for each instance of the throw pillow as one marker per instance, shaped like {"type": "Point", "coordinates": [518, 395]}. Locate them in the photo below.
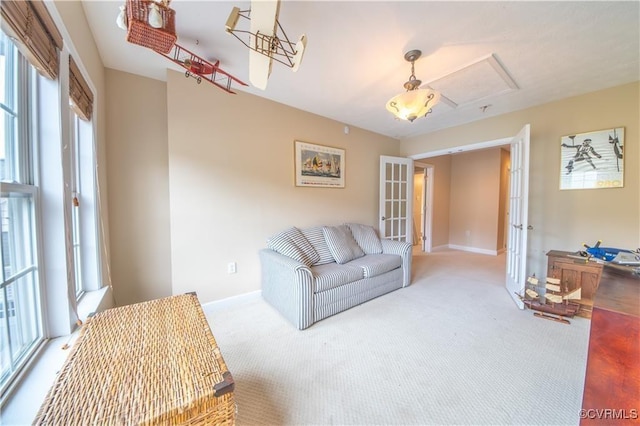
{"type": "Point", "coordinates": [316, 239]}
{"type": "Point", "coordinates": [293, 244]}
{"type": "Point", "coordinates": [341, 243]}
{"type": "Point", "coordinates": [366, 237]}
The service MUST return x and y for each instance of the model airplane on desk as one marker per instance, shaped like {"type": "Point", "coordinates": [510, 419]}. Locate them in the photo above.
{"type": "Point", "coordinates": [267, 40]}
{"type": "Point", "coordinates": [605, 253]}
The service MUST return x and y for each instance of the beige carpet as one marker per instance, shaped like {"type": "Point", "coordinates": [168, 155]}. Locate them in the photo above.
{"type": "Point", "coordinates": [452, 348]}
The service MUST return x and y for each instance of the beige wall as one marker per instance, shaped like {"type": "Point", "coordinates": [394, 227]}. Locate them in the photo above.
{"type": "Point", "coordinates": [418, 184]}
{"type": "Point", "coordinates": [138, 171]}
{"type": "Point", "coordinates": [475, 193]}
{"type": "Point", "coordinates": [563, 220]}
{"type": "Point", "coordinates": [232, 182]}
{"type": "Point", "coordinates": [503, 199]}
{"type": "Point", "coordinates": [441, 198]}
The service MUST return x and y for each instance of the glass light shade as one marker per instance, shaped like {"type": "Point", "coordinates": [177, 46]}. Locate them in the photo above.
{"type": "Point", "coordinates": [413, 103]}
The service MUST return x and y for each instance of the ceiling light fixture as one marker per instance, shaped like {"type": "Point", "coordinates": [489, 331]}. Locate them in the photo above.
{"type": "Point", "coordinates": [415, 102]}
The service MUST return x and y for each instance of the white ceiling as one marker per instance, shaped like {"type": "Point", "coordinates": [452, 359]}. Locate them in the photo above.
{"type": "Point", "coordinates": [354, 60]}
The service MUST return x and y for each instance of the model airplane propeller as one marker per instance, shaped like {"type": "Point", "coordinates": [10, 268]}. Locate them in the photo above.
{"type": "Point", "coordinates": [267, 40]}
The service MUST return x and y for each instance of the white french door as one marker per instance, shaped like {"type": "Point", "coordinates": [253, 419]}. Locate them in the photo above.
{"type": "Point", "coordinates": [396, 198]}
{"type": "Point", "coordinates": [518, 215]}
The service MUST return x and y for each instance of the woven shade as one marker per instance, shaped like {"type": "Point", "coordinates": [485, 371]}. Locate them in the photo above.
{"type": "Point", "coordinates": [79, 92]}
{"type": "Point", "coordinates": [35, 34]}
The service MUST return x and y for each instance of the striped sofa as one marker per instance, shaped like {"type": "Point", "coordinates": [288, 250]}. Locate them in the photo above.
{"type": "Point", "coordinates": [310, 274]}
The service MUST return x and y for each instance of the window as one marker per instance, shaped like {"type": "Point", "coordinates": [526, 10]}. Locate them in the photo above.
{"type": "Point", "coordinates": [20, 309]}
{"type": "Point", "coordinates": [74, 154]}
{"type": "Point", "coordinates": [84, 208]}
{"type": "Point", "coordinates": [49, 208]}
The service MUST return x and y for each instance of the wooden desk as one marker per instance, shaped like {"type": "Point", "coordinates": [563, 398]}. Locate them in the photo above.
{"type": "Point", "coordinates": [612, 382]}
{"type": "Point", "coordinates": [576, 273]}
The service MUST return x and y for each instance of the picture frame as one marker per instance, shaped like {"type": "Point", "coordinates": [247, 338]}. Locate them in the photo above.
{"type": "Point", "coordinates": [592, 160]}
{"type": "Point", "coordinates": [319, 165]}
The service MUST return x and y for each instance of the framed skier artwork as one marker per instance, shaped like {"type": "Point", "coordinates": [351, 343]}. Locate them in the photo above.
{"type": "Point", "coordinates": [592, 160]}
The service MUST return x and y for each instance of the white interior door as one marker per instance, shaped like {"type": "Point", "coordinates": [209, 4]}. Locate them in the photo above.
{"type": "Point", "coordinates": [518, 215]}
{"type": "Point", "coordinates": [396, 198]}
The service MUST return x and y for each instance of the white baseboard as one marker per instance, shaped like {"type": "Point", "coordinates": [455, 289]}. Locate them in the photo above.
{"type": "Point", "coordinates": [473, 249]}
{"type": "Point", "coordinates": [230, 302]}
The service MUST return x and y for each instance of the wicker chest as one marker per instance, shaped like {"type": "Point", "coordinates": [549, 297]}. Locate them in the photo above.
{"type": "Point", "coordinates": [149, 363]}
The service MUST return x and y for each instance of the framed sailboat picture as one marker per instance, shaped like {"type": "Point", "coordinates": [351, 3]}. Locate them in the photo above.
{"type": "Point", "coordinates": [592, 160]}
{"type": "Point", "coordinates": [319, 165]}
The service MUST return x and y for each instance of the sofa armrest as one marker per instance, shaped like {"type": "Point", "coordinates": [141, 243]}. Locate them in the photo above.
{"type": "Point", "coordinates": [288, 286]}
{"type": "Point", "coordinates": [403, 250]}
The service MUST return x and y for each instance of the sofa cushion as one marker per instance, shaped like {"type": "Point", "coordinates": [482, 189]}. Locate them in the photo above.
{"type": "Point", "coordinates": [366, 237]}
{"type": "Point", "coordinates": [377, 264]}
{"type": "Point", "coordinates": [332, 275]}
{"type": "Point", "coordinates": [341, 243]}
{"type": "Point", "coordinates": [315, 236]}
{"type": "Point", "coordinates": [292, 243]}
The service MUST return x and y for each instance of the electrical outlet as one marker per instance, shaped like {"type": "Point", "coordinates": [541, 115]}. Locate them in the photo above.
{"type": "Point", "coordinates": [231, 268]}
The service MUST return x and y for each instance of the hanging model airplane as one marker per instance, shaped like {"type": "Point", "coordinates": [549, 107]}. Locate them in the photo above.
{"type": "Point", "coordinates": [151, 24]}
{"type": "Point", "coordinates": [267, 40]}
{"type": "Point", "coordinates": [199, 68]}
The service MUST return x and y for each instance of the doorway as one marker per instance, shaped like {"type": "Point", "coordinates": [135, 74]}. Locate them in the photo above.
{"type": "Point", "coordinates": [517, 213]}
{"type": "Point", "coordinates": [461, 198]}
{"type": "Point", "coordinates": [423, 206]}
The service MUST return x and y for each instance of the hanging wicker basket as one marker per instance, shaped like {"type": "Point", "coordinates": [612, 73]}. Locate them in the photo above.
{"type": "Point", "coordinates": [140, 32]}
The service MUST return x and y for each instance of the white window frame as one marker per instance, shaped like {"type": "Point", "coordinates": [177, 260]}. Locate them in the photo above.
{"type": "Point", "coordinates": [22, 186]}
{"type": "Point", "coordinates": [84, 214]}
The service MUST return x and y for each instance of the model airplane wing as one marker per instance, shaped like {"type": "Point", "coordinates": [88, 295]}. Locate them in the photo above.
{"type": "Point", "coordinates": [301, 46]}
{"type": "Point", "coordinates": [267, 40]}
{"type": "Point", "coordinates": [264, 15]}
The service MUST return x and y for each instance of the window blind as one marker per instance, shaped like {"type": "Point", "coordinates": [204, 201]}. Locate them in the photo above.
{"type": "Point", "coordinates": [35, 33]}
{"type": "Point", "coordinates": [79, 92]}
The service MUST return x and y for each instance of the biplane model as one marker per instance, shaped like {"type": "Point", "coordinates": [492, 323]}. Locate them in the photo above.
{"type": "Point", "coordinates": [267, 40]}
{"type": "Point", "coordinates": [199, 68]}
{"type": "Point", "coordinates": [604, 253]}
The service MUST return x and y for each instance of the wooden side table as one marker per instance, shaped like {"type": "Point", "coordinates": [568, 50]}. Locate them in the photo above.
{"type": "Point", "coordinates": [576, 272]}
